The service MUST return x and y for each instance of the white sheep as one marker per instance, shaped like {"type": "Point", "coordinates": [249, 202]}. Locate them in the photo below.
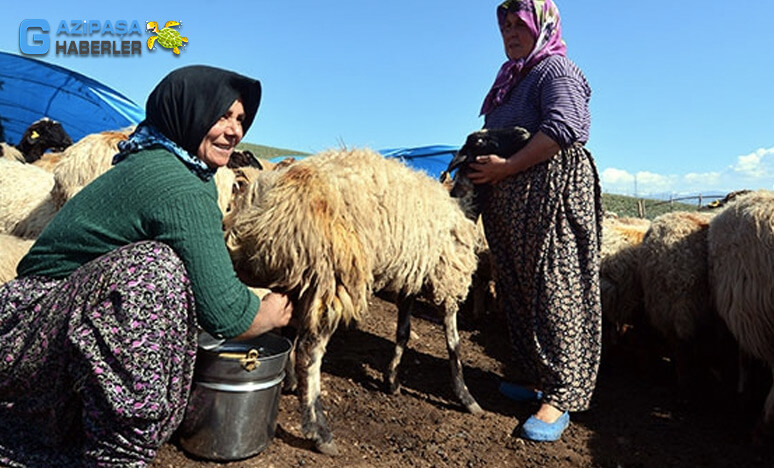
{"type": "Point", "coordinates": [31, 196]}
{"type": "Point", "coordinates": [230, 182]}
{"type": "Point", "coordinates": [26, 204]}
{"type": "Point", "coordinates": [673, 268]}
{"type": "Point", "coordinates": [741, 262]}
{"type": "Point", "coordinates": [12, 251]}
{"type": "Point", "coordinates": [677, 299]}
{"type": "Point", "coordinates": [620, 287]}
{"type": "Point", "coordinates": [225, 180]}
{"type": "Point", "coordinates": [503, 142]}
{"type": "Point", "coordinates": [335, 227]}
{"type": "Point", "coordinates": [482, 297]}
{"type": "Point", "coordinates": [84, 161]}
{"type": "Point", "coordinates": [10, 152]}
{"type": "Point", "coordinates": [625, 331]}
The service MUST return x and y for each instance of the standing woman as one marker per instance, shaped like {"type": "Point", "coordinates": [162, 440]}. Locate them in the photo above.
{"type": "Point", "coordinates": [542, 219]}
{"type": "Point", "coordinates": [98, 332]}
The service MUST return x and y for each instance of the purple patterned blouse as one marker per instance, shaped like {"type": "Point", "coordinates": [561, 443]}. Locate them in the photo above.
{"type": "Point", "coordinates": [553, 98]}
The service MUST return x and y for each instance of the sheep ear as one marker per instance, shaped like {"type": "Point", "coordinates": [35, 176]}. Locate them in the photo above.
{"type": "Point", "coordinates": [35, 135]}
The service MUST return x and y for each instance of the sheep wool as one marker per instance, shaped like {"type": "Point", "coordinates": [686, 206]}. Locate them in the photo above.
{"type": "Point", "coordinates": [335, 227]}
{"type": "Point", "coordinates": [618, 272]}
{"type": "Point", "coordinates": [741, 261]}
{"type": "Point", "coordinates": [84, 161]}
{"type": "Point", "coordinates": [372, 220]}
{"type": "Point", "coordinates": [224, 182]}
{"type": "Point", "coordinates": [14, 248]}
{"type": "Point", "coordinates": [26, 204]}
{"type": "Point", "coordinates": [10, 152]}
{"type": "Point", "coordinates": [673, 268]}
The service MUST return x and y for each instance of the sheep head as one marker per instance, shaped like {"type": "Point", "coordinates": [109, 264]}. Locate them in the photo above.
{"type": "Point", "coordinates": [727, 199]}
{"type": "Point", "coordinates": [43, 135]}
{"type": "Point", "coordinates": [244, 158]}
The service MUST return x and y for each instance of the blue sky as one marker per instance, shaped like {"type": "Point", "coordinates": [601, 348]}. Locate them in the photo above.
{"type": "Point", "coordinates": [682, 100]}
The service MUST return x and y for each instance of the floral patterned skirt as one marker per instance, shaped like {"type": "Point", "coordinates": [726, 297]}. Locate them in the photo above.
{"type": "Point", "coordinates": [95, 369]}
{"type": "Point", "coordinates": [543, 228]}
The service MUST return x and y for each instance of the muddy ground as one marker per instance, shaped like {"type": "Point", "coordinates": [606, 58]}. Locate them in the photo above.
{"type": "Point", "coordinates": [638, 418]}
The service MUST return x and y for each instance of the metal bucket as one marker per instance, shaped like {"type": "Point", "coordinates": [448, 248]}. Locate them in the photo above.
{"type": "Point", "coordinates": [232, 410]}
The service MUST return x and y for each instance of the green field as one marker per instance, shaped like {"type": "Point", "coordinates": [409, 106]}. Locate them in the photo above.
{"type": "Point", "coordinates": [630, 206]}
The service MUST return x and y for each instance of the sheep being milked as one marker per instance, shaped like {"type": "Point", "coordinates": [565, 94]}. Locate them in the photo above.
{"type": "Point", "coordinates": [332, 229]}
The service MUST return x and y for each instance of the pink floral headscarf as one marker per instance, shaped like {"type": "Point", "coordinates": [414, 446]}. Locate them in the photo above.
{"type": "Point", "coordinates": [542, 19]}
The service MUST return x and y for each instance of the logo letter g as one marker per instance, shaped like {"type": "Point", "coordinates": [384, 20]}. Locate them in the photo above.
{"type": "Point", "coordinates": [40, 42]}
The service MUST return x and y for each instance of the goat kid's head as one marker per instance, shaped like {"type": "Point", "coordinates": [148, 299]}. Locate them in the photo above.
{"type": "Point", "coordinates": [43, 135]}
{"type": "Point", "coordinates": [503, 142]}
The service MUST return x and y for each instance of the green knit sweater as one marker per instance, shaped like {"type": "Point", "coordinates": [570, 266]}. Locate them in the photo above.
{"type": "Point", "coordinates": [151, 195]}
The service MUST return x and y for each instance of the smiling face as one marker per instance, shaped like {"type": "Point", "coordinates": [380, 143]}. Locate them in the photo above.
{"type": "Point", "coordinates": [218, 144]}
{"type": "Point", "coordinates": [517, 38]}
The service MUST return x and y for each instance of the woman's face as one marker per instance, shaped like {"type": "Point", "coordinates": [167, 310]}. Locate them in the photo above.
{"type": "Point", "coordinates": [218, 144]}
{"type": "Point", "coordinates": [517, 37]}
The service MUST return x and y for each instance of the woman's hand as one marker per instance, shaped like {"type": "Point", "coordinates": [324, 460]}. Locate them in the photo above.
{"type": "Point", "coordinates": [275, 312]}
{"type": "Point", "coordinates": [277, 309]}
{"type": "Point", "coordinates": [490, 169]}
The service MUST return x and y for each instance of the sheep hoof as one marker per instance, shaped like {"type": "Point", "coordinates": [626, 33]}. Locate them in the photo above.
{"type": "Point", "coordinates": [393, 388]}
{"type": "Point", "coordinates": [327, 448]}
{"type": "Point", "coordinates": [289, 386]}
{"type": "Point", "coordinates": [474, 408]}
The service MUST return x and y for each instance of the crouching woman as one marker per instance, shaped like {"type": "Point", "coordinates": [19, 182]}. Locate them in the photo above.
{"type": "Point", "coordinates": [98, 331]}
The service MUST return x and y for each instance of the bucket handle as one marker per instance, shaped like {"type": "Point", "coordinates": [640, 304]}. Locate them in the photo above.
{"type": "Point", "coordinates": [249, 361]}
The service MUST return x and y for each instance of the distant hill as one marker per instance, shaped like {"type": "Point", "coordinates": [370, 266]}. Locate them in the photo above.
{"type": "Point", "coordinates": [624, 205]}
{"type": "Point", "coordinates": [267, 152]}
{"type": "Point", "coordinates": [620, 204]}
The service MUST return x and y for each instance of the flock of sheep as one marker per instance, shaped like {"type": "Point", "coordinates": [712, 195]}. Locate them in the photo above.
{"type": "Point", "coordinates": [698, 284]}
{"type": "Point", "coordinates": [332, 229]}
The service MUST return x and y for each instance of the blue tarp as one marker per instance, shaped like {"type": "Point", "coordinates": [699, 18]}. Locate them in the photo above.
{"type": "Point", "coordinates": [433, 160]}
{"type": "Point", "coordinates": [31, 89]}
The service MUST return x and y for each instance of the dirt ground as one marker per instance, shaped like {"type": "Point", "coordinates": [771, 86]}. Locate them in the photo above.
{"type": "Point", "coordinates": [637, 419]}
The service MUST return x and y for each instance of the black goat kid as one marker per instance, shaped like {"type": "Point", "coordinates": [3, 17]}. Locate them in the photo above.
{"type": "Point", "coordinates": [43, 135]}
{"type": "Point", "coordinates": [503, 142]}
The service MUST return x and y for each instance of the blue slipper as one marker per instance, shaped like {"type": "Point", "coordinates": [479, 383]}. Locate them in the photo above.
{"type": "Point", "coordinates": [518, 393]}
{"type": "Point", "coordinates": [540, 431]}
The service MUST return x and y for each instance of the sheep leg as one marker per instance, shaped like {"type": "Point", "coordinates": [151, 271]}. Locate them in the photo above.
{"type": "Point", "coordinates": [479, 299]}
{"type": "Point", "coordinates": [405, 307]}
{"type": "Point", "coordinates": [458, 382]}
{"type": "Point", "coordinates": [763, 433]}
{"type": "Point", "coordinates": [309, 353]}
{"type": "Point", "coordinates": [768, 413]}
{"type": "Point", "coordinates": [290, 382]}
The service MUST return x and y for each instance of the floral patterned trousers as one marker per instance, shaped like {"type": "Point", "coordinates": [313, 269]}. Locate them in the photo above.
{"type": "Point", "coordinates": [95, 369]}
{"type": "Point", "coordinates": [543, 228]}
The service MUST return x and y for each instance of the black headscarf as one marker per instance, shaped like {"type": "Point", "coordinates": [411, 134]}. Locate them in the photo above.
{"type": "Point", "coordinates": [189, 100]}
